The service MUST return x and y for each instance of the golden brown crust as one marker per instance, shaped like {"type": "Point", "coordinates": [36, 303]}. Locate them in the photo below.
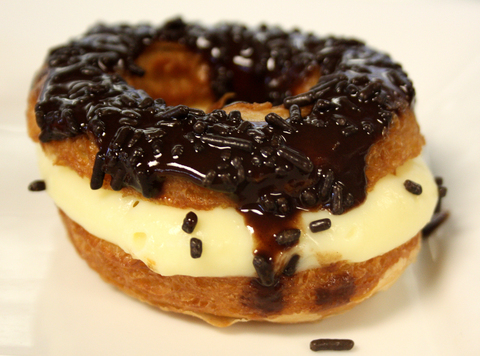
{"type": "Point", "coordinates": [402, 142]}
{"type": "Point", "coordinates": [32, 128]}
{"type": "Point", "coordinates": [307, 296]}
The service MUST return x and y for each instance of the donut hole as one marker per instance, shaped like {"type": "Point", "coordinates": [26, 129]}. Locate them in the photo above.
{"type": "Point", "coordinates": [178, 76]}
{"type": "Point", "coordinates": [139, 240]}
{"type": "Point", "coordinates": [183, 77]}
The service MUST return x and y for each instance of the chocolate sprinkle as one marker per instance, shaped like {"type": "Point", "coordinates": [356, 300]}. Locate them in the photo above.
{"type": "Point", "coordinates": [331, 345]}
{"type": "Point", "coordinates": [437, 220]}
{"type": "Point", "coordinates": [327, 184]}
{"type": "Point", "coordinates": [295, 113]}
{"type": "Point", "coordinates": [413, 187]}
{"type": "Point", "coordinates": [442, 193]}
{"type": "Point", "coordinates": [277, 121]}
{"type": "Point", "coordinates": [195, 247]}
{"type": "Point", "coordinates": [189, 222]}
{"type": "Point", "coordinates": [37, 186]}
{"type": "Point", "coordinates": [288, 237]}
{"type": "Point", "coordinates": [264, 269]}
{"type": "Point", "coordinates": [232, 142]}
{"type": "Point", "coordinates": [96, 182]}
{"type": "Point", "coordinates": [337, 199]}
{"type": "Point", "coordinates": [297, 158]}
{"type": "Point", "coordinates": [439, 216]}
{"type": "Point", "coordinates": [320, 225]}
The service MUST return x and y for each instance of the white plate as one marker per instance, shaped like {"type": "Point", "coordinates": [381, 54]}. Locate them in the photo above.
{"type": "Point", "coordinates": [51, 303]}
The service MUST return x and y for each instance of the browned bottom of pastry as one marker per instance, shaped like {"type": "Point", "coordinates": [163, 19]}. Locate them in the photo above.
{"type": "Point", "coordinates": [221, 301]}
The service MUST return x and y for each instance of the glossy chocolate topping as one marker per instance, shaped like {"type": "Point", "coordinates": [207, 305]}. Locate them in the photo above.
{"type": "Point", "coordinates": [272, 169]}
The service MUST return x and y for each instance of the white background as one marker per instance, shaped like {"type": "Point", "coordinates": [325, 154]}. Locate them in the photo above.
{"type": "Point", "coordinates": [51, 303]}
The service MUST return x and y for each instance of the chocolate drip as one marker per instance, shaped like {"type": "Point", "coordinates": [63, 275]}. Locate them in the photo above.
{"type": "Point", "coordinates": [274, 169]}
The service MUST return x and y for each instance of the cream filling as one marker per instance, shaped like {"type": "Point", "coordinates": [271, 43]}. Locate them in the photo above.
{"type": "Point", "coordinates": [152, 233]}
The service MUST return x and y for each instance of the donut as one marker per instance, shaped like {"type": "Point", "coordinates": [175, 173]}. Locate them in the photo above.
{"type": "Point", "coordinates": [233, 173]}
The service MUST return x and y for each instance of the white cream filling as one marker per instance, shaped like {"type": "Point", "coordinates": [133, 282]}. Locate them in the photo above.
{"type": "Point", "coordinates": [152, 233]}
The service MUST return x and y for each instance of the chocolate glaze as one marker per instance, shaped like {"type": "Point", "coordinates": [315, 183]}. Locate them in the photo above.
{"type": "Point", "coordinates": [272, 169]}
